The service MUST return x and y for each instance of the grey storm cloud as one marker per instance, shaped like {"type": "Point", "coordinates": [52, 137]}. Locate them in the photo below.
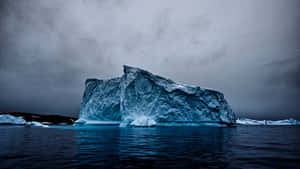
{"type": "Point", "coordinates": [285, 72]}
{"type": "Point", "coordinates": [249, 50]}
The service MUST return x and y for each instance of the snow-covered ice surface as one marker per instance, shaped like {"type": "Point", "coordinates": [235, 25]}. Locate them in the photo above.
{"type": "Point", "coordinates": [140, 98]}
{"type": "Point", "coordinates": [246, 121]}
{"type": "Point", "coordinates": [9, 119]}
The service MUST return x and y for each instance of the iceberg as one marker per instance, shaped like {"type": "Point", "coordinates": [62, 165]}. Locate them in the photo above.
{"type": "Point", "coordinates": [12, 120]}
{"type": "Point", "coordinates": [140, 98]}
{"type": "Point", "coordinates": [246, 121]}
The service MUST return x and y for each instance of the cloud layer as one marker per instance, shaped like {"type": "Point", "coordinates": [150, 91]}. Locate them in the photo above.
{"type": "Point", "coordinates": [248, 50]}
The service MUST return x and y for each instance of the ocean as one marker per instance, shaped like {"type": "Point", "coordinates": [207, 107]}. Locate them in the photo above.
{"type": "Point", "coordinates": [161, 147]}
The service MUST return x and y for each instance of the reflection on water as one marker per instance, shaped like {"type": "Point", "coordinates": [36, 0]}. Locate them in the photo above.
{"type": "Point", "coordinates": [170, 147]}
{"type": "Point", "coordinates": [36, 147]}
{"type": "Point", "coordinates": [173, 147]}
{"type": "Point", "coordinates": [157, 147]}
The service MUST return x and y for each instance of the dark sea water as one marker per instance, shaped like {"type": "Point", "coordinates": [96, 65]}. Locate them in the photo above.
{"type": "Point", "coordinates": [172, 147]}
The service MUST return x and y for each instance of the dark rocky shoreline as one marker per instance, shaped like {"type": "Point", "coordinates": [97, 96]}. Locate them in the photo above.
{"type": "Point", "coordinates": [44, 119]}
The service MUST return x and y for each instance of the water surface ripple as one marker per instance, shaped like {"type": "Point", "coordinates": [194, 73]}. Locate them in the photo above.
{"type": "Point", "coordinates": [169, 147]}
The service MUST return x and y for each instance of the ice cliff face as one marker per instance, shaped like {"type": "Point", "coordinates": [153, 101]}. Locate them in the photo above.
{"type": "Point", "coordinates": [101, 100]}
{"type": "Point", "coordinates": [142, 98]}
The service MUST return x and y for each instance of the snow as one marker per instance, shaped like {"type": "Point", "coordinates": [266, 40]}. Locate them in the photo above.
{"type": "Point", "coordinates": [9, 119]}
{"type": "Point", "coordinates": [245, 121]}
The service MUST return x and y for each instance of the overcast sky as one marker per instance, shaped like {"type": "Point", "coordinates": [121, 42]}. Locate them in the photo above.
{"type": "Point", "coordinates": [249, 50]}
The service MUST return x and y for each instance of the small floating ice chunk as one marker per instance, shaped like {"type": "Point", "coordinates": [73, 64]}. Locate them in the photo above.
{"type": "Point", "coordinates": [9, 119]}
{"type": "Point", "coordinates": [245, 121]}
{"type": "Point", "coordinates": [139, 121]}
{"type": "Point", "coordinates": [290, 121]}
{"type": "Point", "coordinates": [36, 124]}
{"type": "Point", "coordinates": [94, 122]}
{"type": "Point", "coordinates": [79, 122]}
{"type": "Point", "coordinates": [46, 123]}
